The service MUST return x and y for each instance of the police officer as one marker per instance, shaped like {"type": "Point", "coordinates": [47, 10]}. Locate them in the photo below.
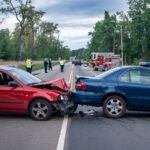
{"type": "Point", "coordinates": [45, 64]}
{"type": "Point", "coordinates": [28, 65]}
{"type": "Point", "coordinates": [50, 63]}
{"type": "Point", "coordinates": [62, 62]}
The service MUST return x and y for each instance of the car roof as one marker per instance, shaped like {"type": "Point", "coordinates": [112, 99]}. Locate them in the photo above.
{"type": "Point", "coordinates": [132, 67]}
{"type": "Point", "coordinates": [119, 70]}
{"type": "Point", "coordinates": [7, 67]}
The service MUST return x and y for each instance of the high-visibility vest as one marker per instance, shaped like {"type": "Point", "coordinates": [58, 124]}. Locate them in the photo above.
{"type": "Point", "coordinates": [61, 62]}
{"type": "Point", "coordinates": [28, 63]}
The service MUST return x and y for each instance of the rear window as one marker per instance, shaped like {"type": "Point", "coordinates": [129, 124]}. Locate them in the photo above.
{"type": "Point", "coordinates": [107, 73]}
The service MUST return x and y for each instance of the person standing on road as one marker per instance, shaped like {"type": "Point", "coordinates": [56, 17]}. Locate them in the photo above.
{"type": "Point", "coordinates": [45, 64]}
{"type": "Point", "coordinates": [50, 64]}
{"type": "Point", "coordinates": [62, 62]}
{"type": "Point", "coordinates": [28, 65]}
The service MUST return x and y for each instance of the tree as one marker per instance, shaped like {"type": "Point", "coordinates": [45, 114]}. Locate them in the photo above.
{"type": "Point", "coordinates": [103, 37]}
{"type": "Point", "coordinates": [32, 26]}
{"type": "Point", "coordinates": [22, 11]}
{"type": "Point", "coordinates": [80, 53]}
{"type": "Point", "coordinates": [5, 45]}
{"type": "Point", "coordinates": [47, 42]}
{"type": "Point", "coordinates": [48, 29]}
{"type": "Point", "coordinates": [139, 12]}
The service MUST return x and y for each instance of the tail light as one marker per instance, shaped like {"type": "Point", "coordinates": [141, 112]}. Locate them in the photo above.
{"type": "Point", "coordinates": [81, 86]}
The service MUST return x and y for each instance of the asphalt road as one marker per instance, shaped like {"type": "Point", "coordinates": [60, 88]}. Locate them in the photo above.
{"type": "Point", "coordinates": [93, 131]}
{"type": "Point", "coordinates": [88, 131]}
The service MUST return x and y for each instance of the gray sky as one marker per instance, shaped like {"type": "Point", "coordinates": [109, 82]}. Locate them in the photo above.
{"type": "Point", "coordinates": [75, 17]}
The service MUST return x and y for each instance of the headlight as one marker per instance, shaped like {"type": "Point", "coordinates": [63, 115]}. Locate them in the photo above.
{"type": "Point", "coordinates": [63, 97]}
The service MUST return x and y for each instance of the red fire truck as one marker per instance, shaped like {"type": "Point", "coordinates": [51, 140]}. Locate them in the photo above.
{"type": "Point", "coordinates": [104, 61]}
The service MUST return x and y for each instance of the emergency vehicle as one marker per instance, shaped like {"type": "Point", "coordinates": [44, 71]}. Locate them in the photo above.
{"type": "Point", "coordinates": [104, 61]}
{"type": "Point", "coordinates": [145, 64]}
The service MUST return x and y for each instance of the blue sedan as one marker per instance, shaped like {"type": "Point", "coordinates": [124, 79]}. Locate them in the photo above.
{"type": "Point", "coordinates": [116, 90]}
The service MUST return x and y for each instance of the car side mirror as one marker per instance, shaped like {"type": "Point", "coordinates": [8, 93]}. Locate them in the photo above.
{"type": "Point", "coordinates": [12, 84]}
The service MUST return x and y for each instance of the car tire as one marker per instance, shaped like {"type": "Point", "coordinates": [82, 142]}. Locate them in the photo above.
{"type": "Point", "coordinates": [40, 110]}
{"type": "Point", "coordinates": [105, 68]}
{"type": "Point", "coordinates": [114, 106]}
{"type": "Point", "coordinates": [95, 69]}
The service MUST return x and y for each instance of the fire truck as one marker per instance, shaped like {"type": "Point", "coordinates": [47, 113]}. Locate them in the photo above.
{"type": "Point", "coordinates": [104, 61]}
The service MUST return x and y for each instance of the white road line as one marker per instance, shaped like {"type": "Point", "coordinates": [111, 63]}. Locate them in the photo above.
{"type": "Point", "coordinates": [61, 141]}
{"type": "Point", "coordinates": [62, 136]}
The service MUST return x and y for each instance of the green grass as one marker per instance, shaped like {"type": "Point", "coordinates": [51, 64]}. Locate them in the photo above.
{"type": "Point", "coordinates": [36, 66]}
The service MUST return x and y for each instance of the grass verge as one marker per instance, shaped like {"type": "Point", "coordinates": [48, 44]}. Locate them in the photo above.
{"type": "Point", "coordinates": [37, 66]}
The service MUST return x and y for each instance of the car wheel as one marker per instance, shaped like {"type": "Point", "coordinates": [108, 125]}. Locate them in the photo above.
{"type": "Point", "coordinates": [40, 109]}
{"type": "Point", "coordinates": [95, 69]}
{"type": "Point", "coordinates": [105, 68]}
{"type": "Point", "coordinates": [114, 106]}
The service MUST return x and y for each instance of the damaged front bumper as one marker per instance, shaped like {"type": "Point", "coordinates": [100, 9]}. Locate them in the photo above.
{"type": "Point", "coordinates": [65, 105]}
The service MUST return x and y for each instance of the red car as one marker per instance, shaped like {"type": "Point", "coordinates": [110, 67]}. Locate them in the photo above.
{"type": "Point", "coordinates": [24, 93]}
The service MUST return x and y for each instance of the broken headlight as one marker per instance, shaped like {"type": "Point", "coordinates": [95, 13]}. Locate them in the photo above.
{"type": "Point", "coordinates": [63, 97]}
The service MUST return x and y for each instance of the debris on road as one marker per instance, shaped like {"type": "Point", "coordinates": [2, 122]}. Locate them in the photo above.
{"type": "Point", "coordinates": [89, 112]}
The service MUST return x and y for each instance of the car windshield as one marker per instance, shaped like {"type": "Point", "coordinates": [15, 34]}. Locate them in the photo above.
{"type": "Point", "coordinates": [103, 75]}
{"type": "Point", "coordinates": [24, 76]}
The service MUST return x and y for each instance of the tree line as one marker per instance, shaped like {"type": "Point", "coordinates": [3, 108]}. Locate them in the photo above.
{"type": "Point", "coordinates": [31, 37]}
{"type": "Point", "coordinates": [35, 38]}
{"type": "Point", "coordinates": [135, 28]}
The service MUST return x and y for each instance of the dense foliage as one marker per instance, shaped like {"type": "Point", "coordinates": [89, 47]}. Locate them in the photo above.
{"type": "Point", "coordinates": [31, 37]}
{"type": "Point", "coordinates": [135, 25]}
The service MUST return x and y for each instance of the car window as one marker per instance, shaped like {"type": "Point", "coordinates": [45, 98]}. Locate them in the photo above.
{"type": "Point", "coordinates": [107, 73]}
{"type": "Point", "coordinates": [136, 76]}
{"type": "Point", "coordinates": [1, 79]}
{"type": "Point", "coordinates": [5, 79]}
{"type": "Point", "coordinates": [24, 76]}
{"type": "Point", "coordinates": [145, 76]}
{"type": "Point", "coordinates": [125, 77]}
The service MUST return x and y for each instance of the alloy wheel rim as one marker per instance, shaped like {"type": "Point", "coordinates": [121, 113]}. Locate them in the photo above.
{"type": "Point", "coordinates": [114, 107]}
{"type": "Point", "coordinates": [40, 110]}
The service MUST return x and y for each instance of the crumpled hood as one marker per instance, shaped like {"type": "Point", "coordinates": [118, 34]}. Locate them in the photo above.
{"type": "Point", "coordinates": [60, 83]}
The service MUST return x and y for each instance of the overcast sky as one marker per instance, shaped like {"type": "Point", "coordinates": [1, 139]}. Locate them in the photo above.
{"type": "Point", "coordinates": [75, 17]}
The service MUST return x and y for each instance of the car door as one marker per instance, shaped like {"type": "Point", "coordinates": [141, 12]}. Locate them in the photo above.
{"type": "Point", "coordinates": [135, 84]}
{"type": "Point", "coordinates": [11, 97]}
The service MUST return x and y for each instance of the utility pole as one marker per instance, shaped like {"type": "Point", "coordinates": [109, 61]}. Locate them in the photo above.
{"type": "Point", "coordinates": [122, 45]}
